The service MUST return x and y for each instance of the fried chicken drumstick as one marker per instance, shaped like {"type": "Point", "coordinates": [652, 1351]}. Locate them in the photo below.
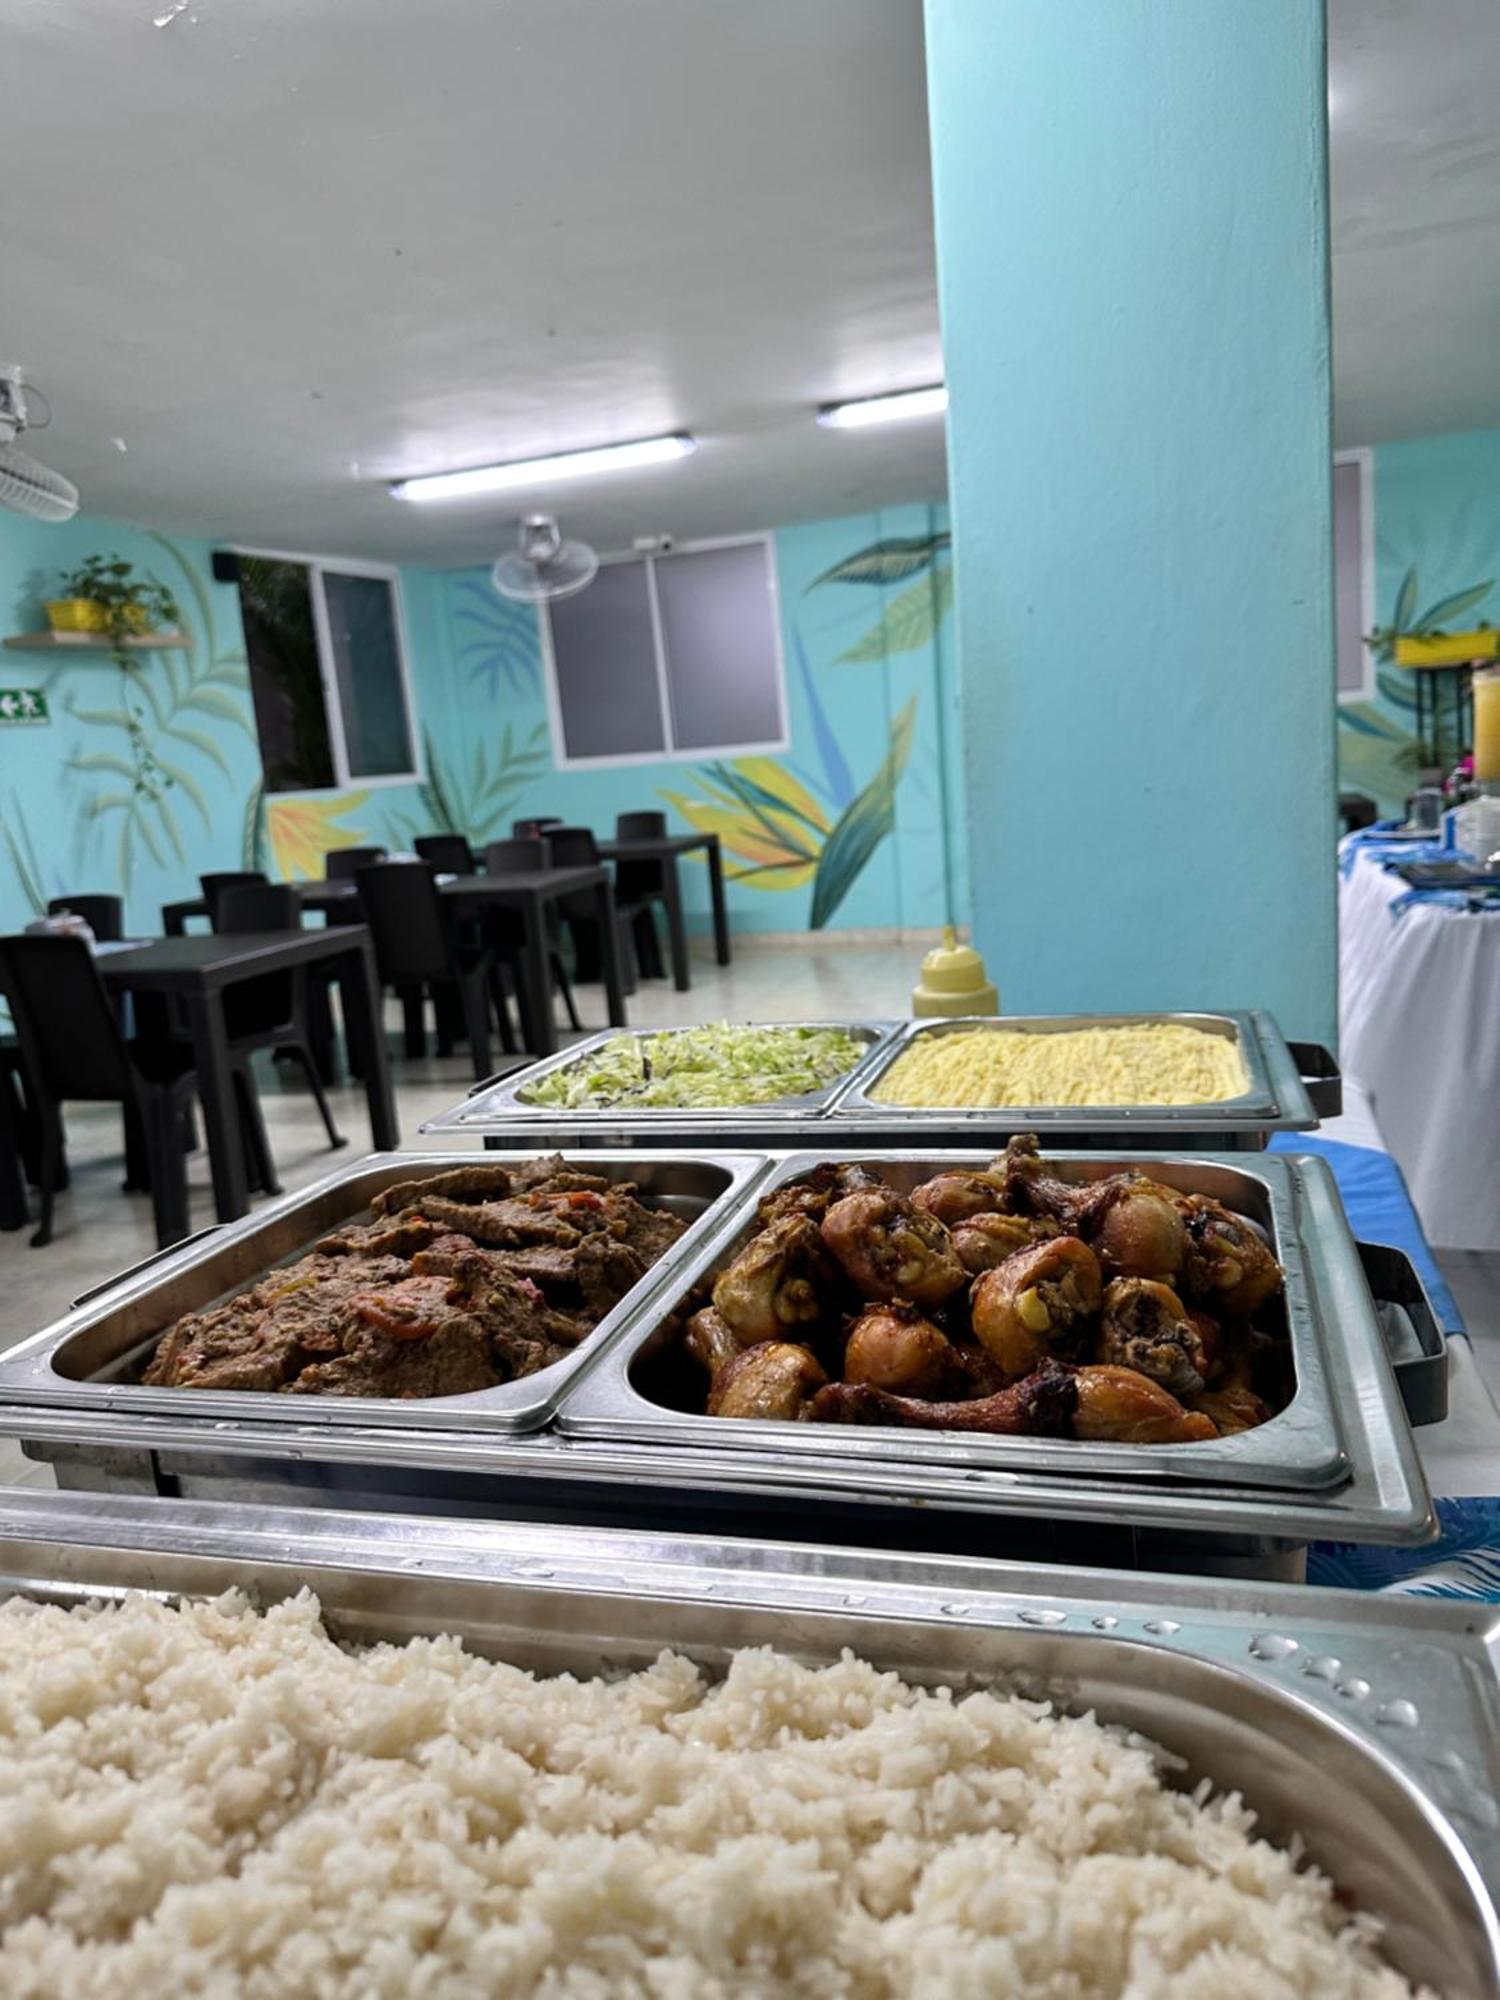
{"type": "Point", "coordinates": [1040, 1405]}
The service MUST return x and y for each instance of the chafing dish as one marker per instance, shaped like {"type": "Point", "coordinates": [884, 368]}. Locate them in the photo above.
{"type": "Point", "coordinates": [1391, 1704]}
{"type": "Point", "coordinates": [1277, 1097]}
{"type": "Point", "coordinates": [1290, 1087]}
{"type": "Point", "coordinates": [1344, 1429]}
{"type": "Point", "coordinates": [501, 1108]}
{"type": "Point", "coordinates": [612, 1457]}
{"type": "Point", "coordinates": [90, 1358]}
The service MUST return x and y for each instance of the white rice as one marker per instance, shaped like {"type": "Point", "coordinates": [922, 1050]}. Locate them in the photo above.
{"type": "Point", "coordinates": [212, 1801]}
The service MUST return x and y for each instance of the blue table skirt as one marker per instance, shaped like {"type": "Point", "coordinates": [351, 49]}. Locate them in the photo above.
{"type": "Point", "coordinates": [1379, 1210]}
{"type": "Point", "coordinates": [1465, 1561]}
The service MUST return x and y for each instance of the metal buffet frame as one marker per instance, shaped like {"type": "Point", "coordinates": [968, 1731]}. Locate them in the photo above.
{"type": "Point", "coordinates": [1279, 1098]}
{"type": "Point", "coordinates": [639, 1464]}
{"type": "Point", "coordinates": [86, 1358]}
{"type": "Point", "coordinates": [1365, 1725]}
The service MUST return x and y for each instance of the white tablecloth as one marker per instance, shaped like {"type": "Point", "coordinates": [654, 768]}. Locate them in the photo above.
{"type": "Point", "coordinates": [1419, 1025]}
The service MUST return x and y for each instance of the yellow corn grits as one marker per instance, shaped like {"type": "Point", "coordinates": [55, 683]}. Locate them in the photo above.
{"type": "Point", "coordinates": [1154, 1063]}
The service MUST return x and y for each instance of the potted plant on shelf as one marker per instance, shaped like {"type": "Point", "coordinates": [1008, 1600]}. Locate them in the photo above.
{"type": "Point", "coordinates": [105, 595]}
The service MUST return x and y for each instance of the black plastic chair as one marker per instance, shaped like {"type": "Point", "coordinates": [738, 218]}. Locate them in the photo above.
{"type": "Point", "coordinates": [523, 854]}
{"type": "Point", "coordinates": [72, 1051]}
{"type": "Point", "coordinates": [270, 1013]}
{"type": "Point", "coordinates": [641, 826]}
{"type": "Point", "coordinates": [448, 853]}
{"type": "Point", "coordinates": [342, 864]}
{"type": "Point", "coordinates": [419, 949]}
{"type": "Point", "coordinates": [104, 915]}
{"type": "Point", "coordinates": [532, 829]}
{"type": "Point", "coordinates": [643, 882]}
{"type": "Point", "coordinates": [527, 856]}
{"type": "Point", "coordinates": [213, 887]}
{"type": "Point", "coordinates": [635, 931]}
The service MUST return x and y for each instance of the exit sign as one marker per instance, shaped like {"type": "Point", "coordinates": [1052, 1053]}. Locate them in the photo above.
{"type": "Point", "coordinates": [23, 705]}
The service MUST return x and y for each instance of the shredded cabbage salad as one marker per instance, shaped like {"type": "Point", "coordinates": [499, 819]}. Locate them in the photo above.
{"type": "Point", "coordinates": [717, 1065]}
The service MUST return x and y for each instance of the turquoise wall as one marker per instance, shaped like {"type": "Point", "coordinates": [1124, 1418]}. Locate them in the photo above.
{"type": "Point", "coordinates": [852, 826]}
{"type": "Point", "coordinates": [1134, 304]}
{"type": "Point", "coordinates": [1437, 567]}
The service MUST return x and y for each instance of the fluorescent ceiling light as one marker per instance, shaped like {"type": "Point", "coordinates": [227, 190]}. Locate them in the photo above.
{"type": "Point", "coordinates": [885, 409]}
{"type": "Point", "coordinates": [542, 471]}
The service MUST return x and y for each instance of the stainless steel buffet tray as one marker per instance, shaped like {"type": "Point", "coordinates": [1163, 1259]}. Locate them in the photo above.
{"type": "Point", "coordinates": [1290, 1087]}
{"type": "Point", "coordinates": [89, 1359]}
{"type": "Point", "coordinates": [1346, 1411]}
{"type": "Point", "coordinates": [501, 1103]}
{"type": "Point", "coordinates": [1367, 1726]}
{"type": "Point", "coordinates": [1275, 1098]}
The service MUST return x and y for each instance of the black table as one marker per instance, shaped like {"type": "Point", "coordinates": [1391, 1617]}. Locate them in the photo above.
{"type": "Point", "coordinates": [667, 848]}
{"type": "Point", "coordinates": [197, 971]}
{"type": "Point", "coordinates": [532, 892]}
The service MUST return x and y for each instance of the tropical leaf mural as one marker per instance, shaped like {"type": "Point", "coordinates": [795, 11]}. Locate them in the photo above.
{"type": "Point", "coordinates": [778, 836]}
{"type": "Point", "coordinates": [159, 745]}
{"type": "Point", "coordinates": [908, 622]}
{"type": "Point", "coordinates": [477, 796]}
{"type": "Point", "coordinates": [865, 823]}
{"type": "Point", "coordinates": [889, 561]}
{"type": "Point", "coordinates": [497, 640]}
{"type": "Point", "coordinates": [23, 857]}
{"type": "Point", "coordinates": [1408, 623]}
{"type": "Point", "coordinates": [771, 827]}
{"type": "Point", "coordinates": [1376, 755]}
{"type": "Point", "coordinates": [784, 828]}
{"type": "Point", "coordinates": [302, 831]}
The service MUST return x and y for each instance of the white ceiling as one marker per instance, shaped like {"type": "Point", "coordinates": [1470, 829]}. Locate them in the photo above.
{"type": "Point", "coordinates": [286, 250]}
{"type": "Point", "coordinates": [1415, 146]}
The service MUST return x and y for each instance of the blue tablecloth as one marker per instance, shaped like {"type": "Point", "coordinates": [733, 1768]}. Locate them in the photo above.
{"type": "Point", "coordinates": [1380, 1210]}
{"type": "Point", "coordinates": [1465, 1561]}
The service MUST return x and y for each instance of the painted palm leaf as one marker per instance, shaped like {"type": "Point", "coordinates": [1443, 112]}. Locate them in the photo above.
{"type": "Point", "coordinates": [889, 561]}
{"type": "Point", "coordinates": [863, 826]}
{"type": "Point", "coordinates": [1406, 602]}
{"type": "Point", "coordinates": [837, 781]}
{"type": "Point", "coordinates": [1448, 610]}
{"type": "Point", "coordinates": [908, 621]}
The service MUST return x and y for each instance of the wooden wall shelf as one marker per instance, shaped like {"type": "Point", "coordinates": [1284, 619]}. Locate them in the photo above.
{"type": "Point", "coordinates": [94, 642]}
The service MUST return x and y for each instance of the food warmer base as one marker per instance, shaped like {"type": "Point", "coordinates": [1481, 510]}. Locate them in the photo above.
{"type": "Point", "coordinates": [654, 1468]}
{"type": "Point", "coordinates": [1366, 1726]}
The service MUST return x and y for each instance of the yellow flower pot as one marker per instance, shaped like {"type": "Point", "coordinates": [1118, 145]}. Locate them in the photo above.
{"type": "Point", "coordinates": [136, 618]}
{"type": "Point", "coordinates": [1454, 649]}
{"type": "Point", "coordinates": [76, 614]}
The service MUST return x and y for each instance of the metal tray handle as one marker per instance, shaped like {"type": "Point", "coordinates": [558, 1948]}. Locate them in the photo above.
{"type": "Point", "coordinates": [134, 1270]}
{"type": "Point", "coordinates": [1322, 1077]}
{"type": "Point", "coordinates": [1414, 1340]}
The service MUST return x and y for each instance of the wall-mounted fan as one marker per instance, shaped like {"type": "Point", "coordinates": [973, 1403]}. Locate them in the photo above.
{"type": "Point", "coordinates": [25, 486]}
{"type": "Point", "coordinates": [542, 565]}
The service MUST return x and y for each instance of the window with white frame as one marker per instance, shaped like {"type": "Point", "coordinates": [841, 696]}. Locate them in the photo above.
{"type": "Point", "coordinates": [1353, 571]}
{"type": "Point", "coordinates": [668, 656]}
{"type": "Point", "coordinates": [328, 674]}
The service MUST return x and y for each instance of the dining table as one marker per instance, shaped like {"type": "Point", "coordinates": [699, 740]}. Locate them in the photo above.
{"type": "Point", "coordinates": [1418, 974]}
{"type": "Point", "coordinates": [195, 973]}
{"type": "Point", "coordinates": [668, 849]}
{"type": "Point", "coordinates": [533, 893]}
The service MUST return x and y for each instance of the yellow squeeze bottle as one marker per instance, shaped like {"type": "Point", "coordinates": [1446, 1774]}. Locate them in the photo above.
{"type": "Point", "coordinates": [954, 981]}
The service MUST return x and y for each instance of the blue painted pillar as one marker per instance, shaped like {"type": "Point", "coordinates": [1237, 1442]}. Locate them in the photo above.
{"type": "Point", "coordinates": [1132, 229]}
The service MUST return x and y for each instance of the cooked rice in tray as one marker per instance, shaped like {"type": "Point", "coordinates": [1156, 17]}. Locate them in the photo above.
{"type": "Point", "coordinates": [214, 1801]}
